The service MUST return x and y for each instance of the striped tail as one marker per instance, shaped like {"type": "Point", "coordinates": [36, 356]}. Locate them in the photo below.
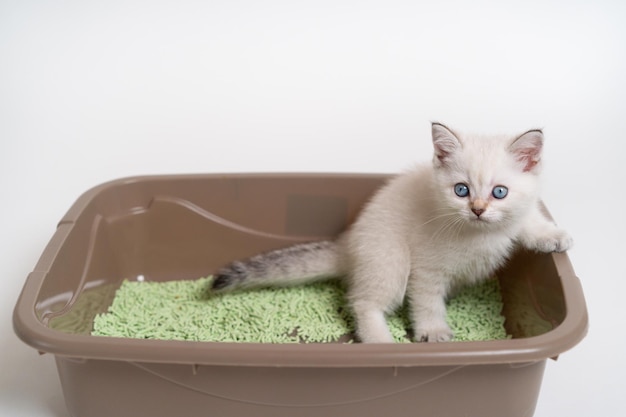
{"type": "Point", "coordinates": [298, 264]}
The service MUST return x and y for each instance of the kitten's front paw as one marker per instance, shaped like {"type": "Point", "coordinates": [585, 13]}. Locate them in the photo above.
{"type": "Point", "coordinates": [556, 241]}
{"type": "Point", "coordinates": [441, 333]}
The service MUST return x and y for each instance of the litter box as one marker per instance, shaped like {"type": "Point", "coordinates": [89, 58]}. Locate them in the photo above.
{"type": "Point", "coordinates": [159, 228]}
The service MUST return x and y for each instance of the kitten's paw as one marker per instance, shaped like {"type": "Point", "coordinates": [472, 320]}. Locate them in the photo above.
{"type": "Point", "coordinates": [557, 240]}
{"type": "Point", "coordinates": [441, 333]}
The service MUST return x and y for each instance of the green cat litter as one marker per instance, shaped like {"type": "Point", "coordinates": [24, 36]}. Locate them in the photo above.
{"type": "Point", "coordinates": [315, 313]}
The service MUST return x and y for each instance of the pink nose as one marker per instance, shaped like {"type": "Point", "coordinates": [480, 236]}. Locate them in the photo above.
{"type": "Point", "coordinates": [478, 211]}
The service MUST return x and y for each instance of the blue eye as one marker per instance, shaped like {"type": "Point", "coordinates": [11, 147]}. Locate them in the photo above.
{"type": "Point", "coordinates": [499, 191]}
{"type": "Point", "coordinates": [461, 190]}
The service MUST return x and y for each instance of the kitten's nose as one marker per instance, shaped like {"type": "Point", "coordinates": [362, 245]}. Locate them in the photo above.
{"type": "Point", "coordinates": [478, 207]}
{"type": "Point", "coordinates": [478, 211]}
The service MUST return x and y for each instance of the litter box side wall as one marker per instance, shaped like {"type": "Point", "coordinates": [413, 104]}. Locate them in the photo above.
{"type": "Point", "coordinates": [98, 388]}
{"type": "Point", "coordinates": [76, 259]}
{"type": "Point", "coordinates": [187, 226]}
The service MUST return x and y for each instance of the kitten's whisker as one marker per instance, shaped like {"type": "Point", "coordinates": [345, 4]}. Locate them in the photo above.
{"type": "Point", "coordinates": [440, 216]}
{"type": "Point", "coordinates": [452, 226]}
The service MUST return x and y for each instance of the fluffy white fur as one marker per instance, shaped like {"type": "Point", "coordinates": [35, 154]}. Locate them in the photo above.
{"type": "Point", "coordinates": [418, 239]}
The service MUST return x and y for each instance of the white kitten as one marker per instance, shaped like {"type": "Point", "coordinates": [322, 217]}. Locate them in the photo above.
{"type": "Point", "coordinates": [428, 231]}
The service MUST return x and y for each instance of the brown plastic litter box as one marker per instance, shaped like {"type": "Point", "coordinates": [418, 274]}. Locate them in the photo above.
{"type": "Point", "coordinates": [185, 227]}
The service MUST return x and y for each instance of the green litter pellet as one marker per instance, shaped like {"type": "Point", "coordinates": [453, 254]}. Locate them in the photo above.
{"type": "Point", "coordinates": [315, 313]}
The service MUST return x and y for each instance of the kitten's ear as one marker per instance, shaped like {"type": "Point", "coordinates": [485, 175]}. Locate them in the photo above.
{"type": "Point", "coordinates": [527, 149]}
{"type": "Point", "coordinates": [445, 143]}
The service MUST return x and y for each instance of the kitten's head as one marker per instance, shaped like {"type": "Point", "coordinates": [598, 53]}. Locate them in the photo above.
{"type": "Point", "coordinates": [487, 181]}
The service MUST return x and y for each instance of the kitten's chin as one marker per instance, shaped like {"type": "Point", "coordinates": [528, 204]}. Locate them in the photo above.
{"type": "Point", "coordinates": [483, 222]}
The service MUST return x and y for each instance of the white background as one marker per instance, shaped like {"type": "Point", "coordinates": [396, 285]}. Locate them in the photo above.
{"type": "Point", "coordinates": [93, 91]}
